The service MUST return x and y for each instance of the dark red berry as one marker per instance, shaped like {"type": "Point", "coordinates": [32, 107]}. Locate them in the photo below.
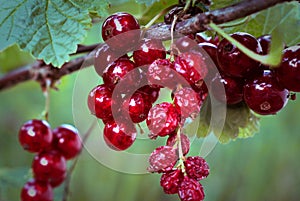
{"type": "Point", "coordinates": [200, 38]}
{"type": "Point", "coordinates": [232, 61]}
{"type": "Point", "coordinates": [150, 92]}
{"type": "Point", "coordinates": [192, 66]}
{"type": "Point", "coordinates": [162, 120]}
{"type": "Point", "coordinates": [288, 73]}
{"type": "Point", "coordinates": [103, 57]}
{"type": "Point", "coordinates": [67, 141]}
{"type": "Point", "coordinates": [185, 142]}
{"type": "Point", "coordinates": [211, 50]}
{"type": "Point", "coordinates": [120, 23]}
{"type": "Point", "coordinates": [227, 89]}
{"type": "Point", "coordinates": [100, 102]}
{"type": "Point", "coordinates": [161, 73]}
{"type": "Point", "coordinates": [149, 51]}
{"type": "Point", "coordinates": [264, 95]}
{"type": "Point", "coordinates": [188, 102]}
{"type": "Point", "coordinates": [184, 44]}
{"type": "Point", "coordinates": [48, 166]}
{"type": "Point", "coordinates": [35, 135]}
{"type": "Point", "coordinates": [55, 182]}
{"type": "Point", "coordinates": [162, 159]}
{"type": "Point", "coordinates": [190, 190]}
{"type": "Point", "coordinates": [170, 181]}
{"type": "Point", "coordinates": [119, 136]}
{"type": "Point", "coordinates": [137, 106]}
{"type": "Point", "coordinates": [196, 167]}
{"type": "Point", "coordinates": [265, 42]}
{"type": "Point", "coordinates": [116, 71]}
{"type": "Point", "coordinates": [36, 191]}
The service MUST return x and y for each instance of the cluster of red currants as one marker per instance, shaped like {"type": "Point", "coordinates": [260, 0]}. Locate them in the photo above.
{"type": "Point", "coordinates": [52, 148]}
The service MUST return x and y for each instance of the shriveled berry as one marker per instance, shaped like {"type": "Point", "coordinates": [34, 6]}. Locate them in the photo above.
{"type": "Point", "coordinates": [192, 66]}
{"type": "Point", "coordinates": [137, 106]}
{"type": "Point", "coordinates": [35, 135]}
{"type": "Point", "coordinates": [190, 190]}
{"type": "Point", "coordinates": [227, 89]}
{"type": "Point", "coordinates": [264, 95]}
{"type": "Point", "coordinates": [232, 61]}
{"type": "Point", "coordinates": [119, 136]}
{"type": "Point", "coordinates": [120, 23]}
{"type": "Point", "coordinates": [185, 142]}
{"type": "Point", "coordinates": [149, 51]}
{"type": "Point", "coordinates": [48, 166]}
{"type": "Point", "coordinates": [162, 119]}
{"type": "Point", "coordinates": [36, 191]}
{"type": "Point", "coordinates": [67, 141]}
{"type": "Point", "coordinates": [170, 181]}
{"type": "Point", "coordinates": [188, 102]}
{"type": "Point", "coordinates": [162, 159]}
{"type": "Point", "coordinates": [288, 73]}
{"type": "Point", "coordinates": [116, 71]}
{"type": "Point", "coordinates": [100, 102]}
{"type": "Point", "coordinates": [161, 73]}
{"type": "Point", "coordinates": [196, 167]}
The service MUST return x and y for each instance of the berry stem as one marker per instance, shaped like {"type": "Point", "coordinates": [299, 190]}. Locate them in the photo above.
{"type": "Point", "coordinates": [271, 59]}
{"type": "Point", "coordinates": [172, 35]}
{"type": "Point", "coordinates": [180, 153]}
{"type": "Point", "coordinates": [187, 5]}
{"type": "Point", "coordinates": [46, 92]}
{"type": "Point", "coordinates": [156, 17]}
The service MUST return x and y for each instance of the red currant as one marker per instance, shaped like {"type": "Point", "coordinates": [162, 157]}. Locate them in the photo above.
{"type": "Point", "coordinates": [100, 102]}
{"type": "Point", "coordinates": [35, 135]}
{"type": "Point", "coordinates": [149, 51]}
{"type": "Point", "coordinates": [170, 181]}
{"type": "Point", "coordinates": [190, 190]}
{"type": "Point", "coordinates": [264, 95]}
{"type": "Point", "coordinates": [119, 136]}
{"type": "Point", "coordinates": [36, 191]}
{"type": "Point", "coordinates": [185, 142]}
{"type": "Point", "coordinates": [162, 119]}
{"type": "Point", "coordinates": [48, 166]}
{"type": "Point", "coordinates": [162, 159]}
{"type": "Point", "coordinates": [196, 167]}
{"type": "Point", "coordinates": [67, 141]}
{"type": "Point", "coordinates": [232, 61]}
{"type": "Point", "coordinates": [288, 73]}
{"type": "Point", "coordinates": [150, 92]}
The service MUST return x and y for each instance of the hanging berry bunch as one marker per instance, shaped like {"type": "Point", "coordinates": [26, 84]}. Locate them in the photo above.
{"type": "Point", "coordinates": [52, 148]}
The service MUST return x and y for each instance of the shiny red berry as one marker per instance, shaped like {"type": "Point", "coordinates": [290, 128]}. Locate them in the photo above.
{"type": "Point", "coordinates": [264, 95]}
{"type": "Point", "coordinates": [67, 141]}
{"type": "Point", "coordinates": [227, 89]}
{"type": "Point", "coordinates": [100, 102]}
{"type": "Point", "coordinates": [116, 71]}
{"type": "Point", "coordinates": [191, 66]}
{"type": "Point", "coordinates": [232, 61]}
{"type": "Point", "coordinates": [170, 181]}
{"type": "Point", "coordinates": [288, 73]}
{"type": "Point", "coordinates": [162, 159]}
{"type": "Point", "coordinates": [119, 136]}
{"type": "Point", "coordinates": [150, 92]}
{"type": "Point", "coordinates": [35, 135]}
{"type": "Point", "coordinates": [137, 106]}
{"type": "Point", "coordinates": [149, 51]}
{"type": "Point", "coordinates": [103, 57]}
{"type": "Point", "coordinates": [184, 44]}
{"type": "Point", "coordinates": [48, 166]}
{"type": "Point", "coordinates": [265, 42]}
{"type": "Point", "coordinates": [196, 167]}
{"type": "Point", "coordinates": [162, 120]}
{"type": "Point", "coordinates": [120, 23]}
{"type": "Point", "coordinates": [36, 191]}
{"type": "Point", "coordinates": [190, 190]}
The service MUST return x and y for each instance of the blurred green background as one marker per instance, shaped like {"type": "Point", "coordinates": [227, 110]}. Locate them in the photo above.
{"type": "Point", "coordinates": [263, 168]}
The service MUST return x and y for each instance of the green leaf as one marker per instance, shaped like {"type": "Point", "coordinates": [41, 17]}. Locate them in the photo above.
{"type": "Point", "coordinates": [283, 17]}
{"type": "Point", "coordinates": [147, 2]}
{"type": "Point", "coordinates": [48, 29]}
{"type": "Point", "coordinates": [240, 122]}
{"type": "Point", "coordinates": [93, 6]}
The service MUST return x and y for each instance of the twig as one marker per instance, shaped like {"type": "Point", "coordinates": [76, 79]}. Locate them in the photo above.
{"type": "Point", "coordinates": [39, 71]}
{"type": "Point", "coordinates": [71, 170]}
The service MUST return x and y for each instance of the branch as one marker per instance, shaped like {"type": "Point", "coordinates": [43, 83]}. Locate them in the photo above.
{"type": "Point", "coordinates": [40, 71]}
